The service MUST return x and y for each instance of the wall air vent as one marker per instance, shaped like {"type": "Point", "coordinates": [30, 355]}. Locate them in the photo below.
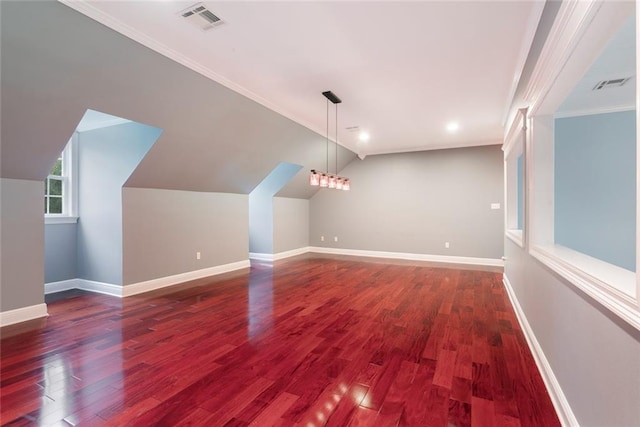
{"type": "Point", "coordinates": [604, 84]}
{"type": "Point", "coordinates": [201, 17]}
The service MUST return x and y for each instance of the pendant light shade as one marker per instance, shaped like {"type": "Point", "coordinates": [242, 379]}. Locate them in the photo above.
{"type": "Point", "coordinates": [326, 179]}
{"type": "Point", "coordinates": [314, 178]}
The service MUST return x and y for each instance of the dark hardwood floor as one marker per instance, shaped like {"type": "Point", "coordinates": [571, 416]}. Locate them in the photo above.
{"type": "Point", "coordinates": [312, 341]}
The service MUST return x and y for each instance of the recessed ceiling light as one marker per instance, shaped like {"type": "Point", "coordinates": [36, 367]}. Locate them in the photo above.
{"type": "Point", "coordinates": [363, 136]}
{"type": "Point", "coordinates": [453, 126]}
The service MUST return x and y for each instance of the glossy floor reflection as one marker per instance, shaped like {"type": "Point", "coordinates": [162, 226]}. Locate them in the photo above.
{"type": "Point", "coordinates": [311, 341]}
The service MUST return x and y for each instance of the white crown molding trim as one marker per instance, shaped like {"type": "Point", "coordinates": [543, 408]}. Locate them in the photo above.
{"type": "Point", "coordinates": [87, 9]}
{"type": "Point", "coordinates": [593, 111]}
{"type": "Point", "coordinates": [560, 402]}
{"type": "Point", "coordinates": [570, 24]}
{"type": "Point", "coordinates": [518, 126]}
{"type": "Point", "coordinates": [530, 32]}
{"type": "Point", "coordinates": [176, 279]}
{"type": "Point", "coordinates": [445, 146]}
{"type": "Point", "coordinates": [411, 257]}
{"type": "Point", "coordinates": [18, 315]}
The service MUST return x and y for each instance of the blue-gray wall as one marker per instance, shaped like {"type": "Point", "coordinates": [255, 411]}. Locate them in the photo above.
{"type": "Point", "coordinates": [595, 186]}
{"type": "Point", "coordinates": [107, 157]}
{"type": "Point", "coordinates": [261, 207]}
{"type": "Point", "coordinates": [60, 252]}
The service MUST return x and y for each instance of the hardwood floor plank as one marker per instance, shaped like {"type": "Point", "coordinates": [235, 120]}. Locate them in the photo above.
{"type": "Point", "coordinates": [313, 340]}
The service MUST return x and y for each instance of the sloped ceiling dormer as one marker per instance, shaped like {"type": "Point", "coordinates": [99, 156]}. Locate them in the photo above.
{"type": "Point", "coordinates": [57, 63]}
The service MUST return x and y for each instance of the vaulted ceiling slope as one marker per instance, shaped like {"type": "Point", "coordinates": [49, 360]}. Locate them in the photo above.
{"type": "Point", "coordinates": [404, 69]}
{"type": "Point", "coordinates": [56, 63]}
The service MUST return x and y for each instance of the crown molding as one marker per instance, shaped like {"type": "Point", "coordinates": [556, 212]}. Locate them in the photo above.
{"type": "Point", "coordinates": [570, 25]}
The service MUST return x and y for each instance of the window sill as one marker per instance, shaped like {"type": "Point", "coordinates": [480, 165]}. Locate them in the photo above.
{"type": "Point", "coordinates": [60, 219]}
{"type": "Point", "coordinates": [610, 285]}
{"type": "Point", "coordinates": [515, 236]}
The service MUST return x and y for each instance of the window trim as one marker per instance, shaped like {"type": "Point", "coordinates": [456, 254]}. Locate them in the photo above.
{"type": "Point", "coordinates": [580, 31]}
{"type": "Point", "coordinates": [69, 185]}
{"type": "Point", "coordinates": [515, 145]}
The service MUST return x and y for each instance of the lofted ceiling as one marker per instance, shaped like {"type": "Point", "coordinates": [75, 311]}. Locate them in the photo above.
{"type": "Point", "coordinates": [404, 70]}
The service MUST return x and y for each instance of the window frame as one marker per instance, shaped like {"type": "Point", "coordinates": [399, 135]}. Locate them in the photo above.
{"type": "Point", "coordinates": [514, 147]}
{"type": "Point", "coordinates": [69, 181]}
{"type": "Point", "coordinates": [581, 31]}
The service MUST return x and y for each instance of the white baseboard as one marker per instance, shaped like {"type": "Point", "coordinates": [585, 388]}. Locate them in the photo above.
{"type": "Point", "coordinates": [257, 256]}
{"type": "Point", "coordinates": [567, 418]}
{"type": "Point", "coordinates": [410, 257]}
{"type": "Point", "coordinates": [141, 287]}
{"type": "Point", "coordinates": [163, 282]}
{"type": "Point", "coordinates": [23, 314]}
{"type": "Point", "coordinates": [289, 254]}
{"type": "Point", "coordinates": [63, 285]}
{"type": "Point", "coordinates": [85, 285]}
{"type": "Point", "coordinates": [101, 287]}
{"type": "Point", "coordinates": [280, 255]}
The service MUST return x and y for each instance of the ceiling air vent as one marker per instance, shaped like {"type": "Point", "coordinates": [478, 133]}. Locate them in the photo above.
{"type": "Point", "coordinates": [610, 83]}
{"type": "Point", "coordinates": [201, 17]}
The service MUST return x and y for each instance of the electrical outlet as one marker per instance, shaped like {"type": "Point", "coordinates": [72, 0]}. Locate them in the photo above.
{"type": "Point", "coordinates": [335, 238]}
{"type": "Point", "coordinates": [446, 245]}
{"type": "Point", "coordinates": [322, 238]}
{"type": "Point", "coordinates": [197, 255]}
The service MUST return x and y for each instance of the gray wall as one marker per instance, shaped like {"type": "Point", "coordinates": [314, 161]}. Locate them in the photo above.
{"type": "Point", "coordinates": [594, 355]}
{"type": "Point", "coordinates": [415, 202]}
{"type": "Point", "coordinates": [106, 158]}
{"type": "Point", "coordinates": [22, 243]}
{"type": "Point", "coordinates": [60, 252]}
{"type": "Point", "coordinates": [163, 230]}
{"type": "Point", "coordinates": [595, 186]}
{"type": "Point", "coordinates": [290, 224]}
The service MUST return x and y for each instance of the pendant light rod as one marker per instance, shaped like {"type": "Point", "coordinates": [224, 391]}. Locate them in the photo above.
{"type": "Point", "coordinates": [336, 139]}
{"type": "Point", "coordinates": [326, 179]}
{"type": "Point", "coordinates": [327, 165]}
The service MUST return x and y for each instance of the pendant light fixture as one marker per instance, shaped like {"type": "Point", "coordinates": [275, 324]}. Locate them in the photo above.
{"type": "Point", "coordinates": [326, 179]}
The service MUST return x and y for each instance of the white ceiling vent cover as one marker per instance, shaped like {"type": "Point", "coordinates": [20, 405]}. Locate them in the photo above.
{"type": "Point", "coordinates": [604, 84]}
{"type": "Point", "coordinates": [201, 17]}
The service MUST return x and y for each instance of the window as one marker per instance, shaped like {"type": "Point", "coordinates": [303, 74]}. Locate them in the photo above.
{"type": "Point", "coordinates": [54, 190]}
{"type": "Point", "coordinates": [514, 165]}
{"type": "Point", "coordinates": [583, 148]}
{"type": "Point", "coordinates": [60, 205]}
